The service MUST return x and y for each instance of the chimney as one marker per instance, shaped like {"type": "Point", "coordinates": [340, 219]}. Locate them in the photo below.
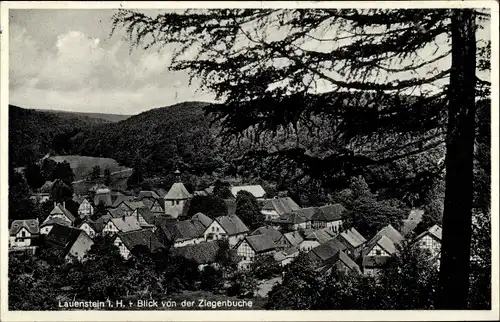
{"type": "Point", "coordinates": [123, 217]}
{"type": "Point", "coordinates": [64, 204]}
{"type": "Point", "coordinates": [55, 204]}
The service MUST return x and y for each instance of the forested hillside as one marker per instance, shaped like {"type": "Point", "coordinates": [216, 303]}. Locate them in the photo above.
{"type": "Point", "coordinates": [100, 116]}
{"type": "Point", "coordinates": [32, 134]}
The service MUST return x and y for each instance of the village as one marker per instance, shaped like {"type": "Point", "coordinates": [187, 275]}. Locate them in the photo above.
{"type": "Point", "coordinates": [157, 220]}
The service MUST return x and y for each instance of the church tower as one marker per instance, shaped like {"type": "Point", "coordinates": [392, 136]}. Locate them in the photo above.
{"type": "Point", "coordinates": [177, 198]}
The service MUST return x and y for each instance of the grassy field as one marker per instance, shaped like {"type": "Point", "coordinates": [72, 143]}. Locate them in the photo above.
{"type": "Point", "coordinates": [82, 165]}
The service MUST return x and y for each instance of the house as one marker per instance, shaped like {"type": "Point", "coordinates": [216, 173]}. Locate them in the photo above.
{"type": "Point", "coordinates": [275, 235]}
{"type": "Point", "coordinates": [293, 239]}
{"type": "Point", "coordinates": [109, 198]}
{"type": "Point", "coordinates": [328, 216]}
{"type": "Point", "coordinates": [276, 207]}
{"type": "Point", "coordinates": [127, 207]}
{"type": "Point", "coordinates": [62, 213]}
{"type": "Point", "coordinates": [383, 244]}
{"type": "Point", "coordinates": [253, 246]}
{"type": "Point", "coordinates": [121, 224]}
{"type": "Point", "coordinates": [69, 242]}
{"type": "Point", "coordinates": [145, 217]}
{"type": "Point", "coordinates": [339, 262]}
{"type": "Point", "coordinates": [235, 230]}
{"type": "Point", "coordinates": [321, 253]}
{"type": "Point", "coordinates": [176, 200]}
{"type": "Point", "coordinates": [286, 256]}
{"type": "Point", "coordinates": [157, 207]}
{"type": "Point", "coordinates": [353, 241]}
{"type": "Point", "coordinates": [127, 241]}
{"type": "Point", "coordinates": [182, 233]}
{"type": "Point", "coordinates": [430, 240]}
{"type": "Point", "coordinates": [204, 254]}
{"type": "Point", "coordinates": [23, 233]}
{"type": "Point", "coordinates": [47, 225]}
{"type": "Point", "coordinates": [40, 197]}
{"type": "Point", "coordinates": [92, 228]}
{"type": "Point", "coordinates": [315, 238]}
{"type": "Point", "coordinates": [256, 190]}
{"type": "Point", "coordinates": [291, 221]}
{"type": "Point", "coordinates": [85, 209]}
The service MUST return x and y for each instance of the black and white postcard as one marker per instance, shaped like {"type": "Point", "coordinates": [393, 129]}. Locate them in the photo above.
{"type": "Point", "coordinates": [249, 161]}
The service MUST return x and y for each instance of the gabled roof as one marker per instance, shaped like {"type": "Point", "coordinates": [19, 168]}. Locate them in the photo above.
{"type": "Point", "coordinates": [260, 243]}
{"type": "Point", "coordinates": [144, 237]}
{"type": "Point", "coordinates": [31, 226]}
{"type": "Point", "coordinates": [147, 214]}
{"type": "Point", "coordinates": [340, 256]}
{"type": "Point", "coordinates": [147, 194]}
{"type": "Point", "coordinates": [328, 249]}
{"type": "Point", "coordinates": [183, 230]}
{"type": "Point", "coordinates": [280, 205]}
{"type": "Point", "coordinates": [290, 218]}
{"type": "Point", "coordinates": [55, 221]}
{"type": "Point", "coordinates": [435, 231]}
{"type": "Point", "coordinates": [270, 231]}
{"type": "Point", "coordinates": [203, 253]}
{"type": "Point", "coordinates": [59, 209]}
{"type": "Point", "coordinates": [256, 190]}
{"type": "Point", "coordinates": [91, 223]}
{"type": "Point", "coordinates": [63, 237]}
{"type": "Point", "coordinates": [353, 237]}
{"type": "Point", "coordinates": [294, 238]}
{"type": "Point", "coordinates": [388, 237]}
{"type": "Point", "coordinates": [307, 213]}
{"type": "Point", "coordinates": [328, 213]}
{"type": "Point", "coordinates": [123, 199]}
{"type": "Point", "coordinates": [203, 219]}
{"type": "Point", "coordinates": [178, 192]}
{"type": "Point", "coordinates": [387, 244]}
{"type": "Point", "coordinates": [159, 202]}
{"type": "Point", "coordinates": [161, 192]}
{"type": "Point", "coordinates": [321, 235]}
{"type": "Point", "coordinates": [232, 224]}
{"type": "Point", "coordinates": [127, 223]}
{"type": "Point", "coordinates": [115, 212]}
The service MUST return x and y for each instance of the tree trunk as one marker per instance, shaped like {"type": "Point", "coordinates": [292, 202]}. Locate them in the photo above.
{"type": "Point", "coordinates": [457, 216]}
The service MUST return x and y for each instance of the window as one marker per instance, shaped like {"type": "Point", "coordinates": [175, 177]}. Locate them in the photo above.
{"type": "Point", "coordinates": [217, 229]}
{"type": "Point", "coordinates": [177, 202]}
{"type": "Point", "coordinates": [378, 252]}
{"type": "Point", "coordinates": [23, 234]}
{"type": "Point", "coordinates": [213, 229]}
{"type": "Point", "coordinates": [173, 203]}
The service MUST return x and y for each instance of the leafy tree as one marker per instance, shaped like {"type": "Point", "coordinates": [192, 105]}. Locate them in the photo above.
{"type": "Point", "coordinates": [141, 277]}
{"type": "Point", "coordinates": [226, 257]}
{"type": "Point", "coordinates": [20, 206]}
{"type": "Point", "coordinates": [366, 61]}
{"type": "Point", "coordinates": [62, 171]}
{"type": "Point", "coordinates": [242, 284]}
{"type": "Point", "coordinates": [222, 189]}
{"type": "Point", "coordinates": [265, 267]}
{"type": "Point", "coordinates": [96, 172]}
{"type": "Point", "coordinates": [34, 176]}
{"type": "Point", "coordinates": [61, 191]}
{"type": "Point", "coordinates": [211, 206]}
{"type": "Point", "coordinates": [211, 279]}
{"type": "Point", "coordinates": [247, 208]}
{"type": "Point", "coordinates": [107, 176]}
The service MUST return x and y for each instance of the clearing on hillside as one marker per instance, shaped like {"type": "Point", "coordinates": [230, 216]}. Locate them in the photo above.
{"type": "Point", "coordinates": [82, 165]}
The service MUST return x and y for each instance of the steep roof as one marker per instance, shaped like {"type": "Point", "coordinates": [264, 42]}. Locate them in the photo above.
{"type": "Point", "coordinates": [280, 205]}
{"type": "Point", "coordinates": [328, 249]}
{"type": "Point", "coordinates": [307, 213]}
{"type": "Point", "coordinates": [256, 190]}
{"type": "Point", "coordinates": [144, 237]}
{"type": "Point", "coordinates": [178, 192]}
{"type": "Point", "coordinates": [134, 204]}
{"type": "Point", "coordinates": [60, 209]}
{"type": "Point", "coordinates": [436, 231]}
{"type": "Point", "coordinates": [115, 212]}
{"type": "Point", "coordinates": [183, 230]}
{"type": "Point", "coordinates": [147, 214]}
{"type": "Point", "coordinates": [203, 219]}
{"type": "Point", "coordinates": [353, 237]}
{"type": "Point", "coordinates": [203, 253]}
{"type": "Point", "coordinates": [63, 237]}
{"type": "Point", "coordinates": [127, 223]}
{"type": "Point", "coordinates": [161, 192]}
{"type": "Point", "coordinates": [270, 231]}
{"type": "Point", "coordinates": [391, 233]}
{"type": "Point", "coordinates": [31, 226]}
{"type": "Point", "coordinates": [159, 202]}
{"type": "Point", "coordinates": [232, 224]}
{"type": "Point", "coordinates": [91, 223]}
{"type": "Point", "coordinates": [147, 194]}
{"type": "Point", "coordinates": [321, 235]}
{"type": "Point", "coordinates": [340, 256]}
{"type": "Point", "coordinates": [290, 218]}
{"type": "Point", "coordinates": [388, 237]}
{"type": "Point", "coordinates": [328, 213]}
{"type": "Point", "coordinates": [55, 221]}
{"type": "Point", "coordinates": [294, 238]}
{"type": "Point", "coordinates": [387, 244]}
{"type": "Point", "coordinates": [260, 243]}
{"type": "Point", "coordinates": [118, 199]}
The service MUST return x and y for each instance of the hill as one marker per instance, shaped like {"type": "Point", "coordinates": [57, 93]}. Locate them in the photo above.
{"type": "Point", "coordinates": [112, 118]}
{"type": "Point", "coordinates": [33, 134]}
{"type": "Point", "coordinates": [82, 165]}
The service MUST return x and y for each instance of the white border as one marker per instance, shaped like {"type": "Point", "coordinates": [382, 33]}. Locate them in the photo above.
{"type": "Point", "coordinates": [246, 315]}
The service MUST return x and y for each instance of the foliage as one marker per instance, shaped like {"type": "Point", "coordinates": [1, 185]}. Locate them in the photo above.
{"type": "Point", "coordinates": [242, 284]}
{"type": "Point", "coordinates": [211, 279]}
{"type": "Point", "coordinates": [265, 267]}
{"type": "Point", "coordinates": [61, 191]}
{"type": "Point", "coordinates": [63, 172]}
{"type": "Point", "coordinates": [33, 175]}
{"type": "Point", "coordinates": [247, 208]}
{"type": "Point", "coordinates": [222, 189]}
{"type": "Point", "coordinates": [210, 205]}
{"type": "Point", "coordinates": [226, 258]}
{"type": "Point", "coordinates": [96, 172]}
{"type": "Point", "coordinates": [107, 176]}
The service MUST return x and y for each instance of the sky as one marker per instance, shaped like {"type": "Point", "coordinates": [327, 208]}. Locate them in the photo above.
{"type": "Point", "coordinates": [67, 60]}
